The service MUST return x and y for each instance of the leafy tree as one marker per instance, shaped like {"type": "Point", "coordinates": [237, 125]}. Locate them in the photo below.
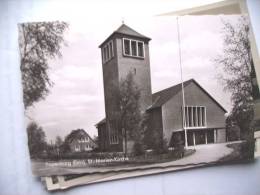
{"type": "Point", "coordinates": [236, 62]}
{"type": "Point", "coordinates": [58, 145]}
{"type": "Point", "coordinates": [36, 139]}
{"type": "Point", "coordinates": [128, 117]}
{"type": "Point", "coordinates": [58, 141]}
{"type": "Point", "coordinates": [66, 144]}
{"type": "Point", "coordinates": [38, 41]}
{"type": "Point", "coordinates": [233, 131]}
{"type": "Point", "coordinates": [153, 139]}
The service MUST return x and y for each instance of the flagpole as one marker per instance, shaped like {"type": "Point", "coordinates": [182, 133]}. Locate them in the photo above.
{"type": "Point", "coordinates": [182, 85]}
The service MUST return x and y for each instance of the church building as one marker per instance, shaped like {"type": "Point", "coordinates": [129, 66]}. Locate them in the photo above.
{"type": "Point", "coordinates": [126, 50]}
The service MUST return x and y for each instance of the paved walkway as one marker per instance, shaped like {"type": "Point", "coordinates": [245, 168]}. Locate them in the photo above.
{"type": "Point", "coordinates": [204, 154]}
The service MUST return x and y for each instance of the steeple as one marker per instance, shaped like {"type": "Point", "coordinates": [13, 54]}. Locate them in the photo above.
{"type": "Point", "coordinates": [126, 30]}
{"type": "Point", "coordinates": [124, 51]}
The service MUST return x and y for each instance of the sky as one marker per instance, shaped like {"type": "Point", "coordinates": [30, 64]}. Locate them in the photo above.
{"type": "Point", "coordinates": [77, 100]}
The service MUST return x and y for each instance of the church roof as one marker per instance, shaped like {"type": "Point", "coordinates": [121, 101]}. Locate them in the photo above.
{"type": "Point", "coordinates": [161, 97]}
{"type": "Point", "coordinates": [101, 122]}
{"type": "Point", "coordinates": [126, 30]}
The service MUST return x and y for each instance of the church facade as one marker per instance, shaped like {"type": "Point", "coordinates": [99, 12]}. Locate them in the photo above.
{"type": "Point", "coordinates": [126, 50]}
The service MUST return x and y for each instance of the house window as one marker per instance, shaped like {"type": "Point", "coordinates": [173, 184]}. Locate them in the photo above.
{"type": "Point", "coordinates": [133, 48]}
{"type": "Point", "coordinates": [87, 147]}
{"type": "Point", "coordinates": [195, 116]}
{"type": "Point", "coordinates": [77, 148]}
{"type": "Point", "coordinates": [108, 51]}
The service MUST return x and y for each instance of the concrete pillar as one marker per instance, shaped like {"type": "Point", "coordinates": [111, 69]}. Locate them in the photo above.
{"type": "Point", "coordinates": [194, 140]}
{"type": "Point", "coordinates": [185, 137]}
{"type": "Point", "coordinates": [215, 136]}
{"type": "Point", "coordinates": [206, 138]}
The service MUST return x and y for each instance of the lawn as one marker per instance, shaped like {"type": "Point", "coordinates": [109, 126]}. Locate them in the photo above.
{"type": "Point", "coordinates": [241, 152]}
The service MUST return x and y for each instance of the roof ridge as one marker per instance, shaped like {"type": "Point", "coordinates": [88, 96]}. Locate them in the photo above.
{"type": "Point", "coordinates": [126, 26]}
{"type": "Point", "coordinates": [185, 82]}
{"type": "Point", "coordinates": [164, 95]}
{"type": "Point", "coordinates": [125, 30]}
{"type": "Point", "coordinates": [160, 97]}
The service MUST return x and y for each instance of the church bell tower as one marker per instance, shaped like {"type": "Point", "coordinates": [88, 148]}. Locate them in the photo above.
{"type": "Point", "coordinates": [124, 51]}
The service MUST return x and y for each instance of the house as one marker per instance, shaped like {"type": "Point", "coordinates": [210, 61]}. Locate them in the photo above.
{"type": "Point", "coordinates": [80, 141]}
{"type": "Point", "coordinates": [126, 50]}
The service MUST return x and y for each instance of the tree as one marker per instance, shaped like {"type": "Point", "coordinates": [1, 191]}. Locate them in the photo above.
{"type": "Point", "coordinates": [36, 139]}
{"type": "Point", "coordinates": [58, 144]}
{"type": "Point", "coordinates": [128, 117]}
{"type": "Point", "coordinates": [236, 62]}
{"type": "Point", "coordinates": [233, 131]}
{"type": "Point", "coordinates": [153, 139]}
{"type": "Point", "coordinates": [58, 141]}
{"type": "Point", "coordinates": [38, 41]}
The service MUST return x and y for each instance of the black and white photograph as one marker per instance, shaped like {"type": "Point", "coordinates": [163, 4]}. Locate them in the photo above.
{"type": "Point", "coordinates": [127, 94]}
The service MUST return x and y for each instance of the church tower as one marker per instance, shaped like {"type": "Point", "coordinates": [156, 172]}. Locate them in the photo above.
{"type": "Point", "coordinates": [124, 51]}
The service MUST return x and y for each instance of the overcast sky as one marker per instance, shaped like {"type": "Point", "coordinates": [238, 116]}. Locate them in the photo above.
{"type": "Point", "coordinates": [77, 99]}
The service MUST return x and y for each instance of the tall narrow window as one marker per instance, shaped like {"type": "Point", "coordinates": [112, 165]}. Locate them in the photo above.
{"type": "Point", "coordinates": [105, 54]}
{"type": "Point", "coordinates": [203, 114]}
{"type": "Point", "coordinates": [134, 48]}
{"type": "Point", "coordinates": [126, 47]}
{"type": "Point", "coordinates": [111, 49]}
{"type": "Point", "coordinates": [190, 121]}
{"type": "Point", "coordinates": [113, 135]}
{"type": "Point", "coordinates": [195, 116]}
{"type": "Point", "coordinates": [199, 116]}
{"type": "Point", "coordinates": [140, 49]}
{"type": "Point", "coordinates": [108, 51]}
{"type": "Point", "coordinates": [113, 138]}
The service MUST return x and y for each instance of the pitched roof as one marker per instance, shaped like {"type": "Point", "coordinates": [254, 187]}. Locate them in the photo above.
{"type": "Point", "coordinates": [101, 122]}
{"type": "Point", "coordinates": [126, 30]}
{"type": "Point", "coordinates": [161, 97]}
{"type": "Point", "coordinates": [77, 134]}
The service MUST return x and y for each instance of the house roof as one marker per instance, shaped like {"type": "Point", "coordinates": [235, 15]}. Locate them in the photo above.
{"type": "Point", "coordinates": [161, 97]}
{"type": "Point", "coordinates": [126, 30]}
{"type": "Point", "coordinates": [77, 134]}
